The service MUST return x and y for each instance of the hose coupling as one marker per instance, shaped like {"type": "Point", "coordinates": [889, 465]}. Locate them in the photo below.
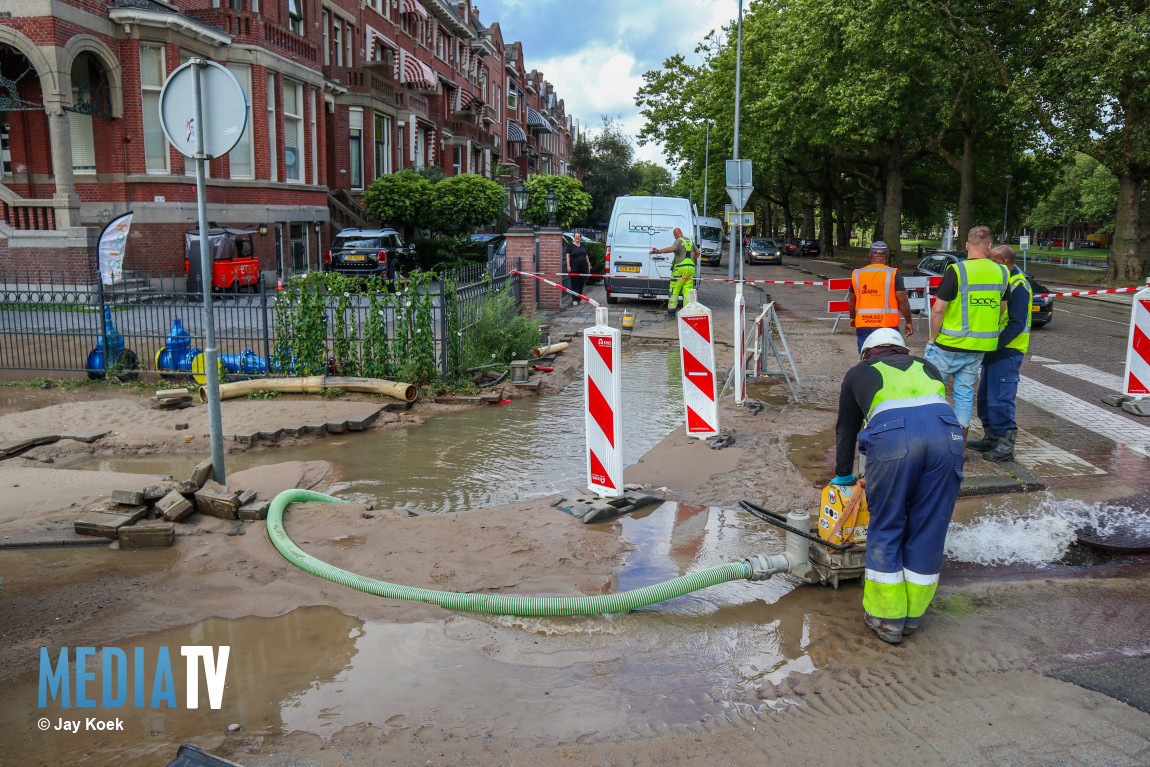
{"type": "Point", "coordinates": [763, 566]}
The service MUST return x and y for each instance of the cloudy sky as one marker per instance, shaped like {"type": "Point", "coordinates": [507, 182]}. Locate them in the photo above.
{"type": "Point", "coordinates": [596, 51]}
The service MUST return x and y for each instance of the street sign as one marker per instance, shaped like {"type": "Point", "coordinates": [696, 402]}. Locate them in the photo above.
{"type": "Point", "coordinates": [1024, 242]}
{"type": "Point", "coordinates": [741, 219]}
{"type": "Point", "coordinates": [225, 110]}
{"type": "Point", "coordinates": [739, 185]}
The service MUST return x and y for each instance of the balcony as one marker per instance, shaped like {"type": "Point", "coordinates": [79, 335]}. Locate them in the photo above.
{"type": "Point", "coordinates": [252, 29]}
{"type": "Point", "coordinates": [469, 130]}
{"type": "Point", "coordinates": [27, 215]}
{"type": "Point", "coordinates": [365, 80]}
{"type": "Point", "coordinates": [412, 102]}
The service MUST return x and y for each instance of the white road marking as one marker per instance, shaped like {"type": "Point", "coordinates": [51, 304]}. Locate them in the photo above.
{"type": "Point", "coordinates": [1090, 375]}
{"type": "Point", "coordinates": [1043, 459]}
{"type": "Point", "coordinates": [1099, 420]}
{"type": "Point", "coordinates": [1042, 360]}
{"type": "Point", "coordinates": [1091, 316]}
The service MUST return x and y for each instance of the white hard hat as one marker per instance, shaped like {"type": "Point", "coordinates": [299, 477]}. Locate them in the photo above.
{"type": "Point", "coordinates": [882, 337]}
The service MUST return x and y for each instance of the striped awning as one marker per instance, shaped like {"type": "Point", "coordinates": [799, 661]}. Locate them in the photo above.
{"type": "Point", "coordinates": [515, 133]}
{"type": "Point", "coordinates": [414, 71]}
{"type": "Point", "coordinates": [413, 6]}
{"type": "Point", "coordinates": [536, 121]}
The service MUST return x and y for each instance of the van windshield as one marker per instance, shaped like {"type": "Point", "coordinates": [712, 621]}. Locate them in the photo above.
{"type": "Point", "coordinates": [711, 233]}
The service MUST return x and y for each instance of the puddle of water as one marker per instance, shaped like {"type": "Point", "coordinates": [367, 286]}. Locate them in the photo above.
{"type": "Point", "coordinates": [315, 670]}
{"type": "Point", "coordinates": [813, 455]}
{"type": "Point", "coordinates": [477, 458]}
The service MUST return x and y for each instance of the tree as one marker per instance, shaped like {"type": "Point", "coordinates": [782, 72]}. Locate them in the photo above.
{"type": "Point", "coordinates": [573, 201]}
{"type": "Point", "coordinates": [402, 200]}
{"type": "Point", "coordinates": [651, 179]}
{"type": "Point", "coordinates": [462, 203]}
{"type": "Point", "coordinates": [608, 173]}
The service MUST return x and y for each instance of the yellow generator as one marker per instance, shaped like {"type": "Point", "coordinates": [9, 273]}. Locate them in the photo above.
{"type": "Point", "coordinates": [836, 537]}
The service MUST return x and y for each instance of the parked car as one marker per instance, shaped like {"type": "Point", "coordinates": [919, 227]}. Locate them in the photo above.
{"type": "Point", "coordinates": [235, 266]}
{"type": "Point", "coordinates": [763, 250]}
{"type": "Point", "coordinates": [499, 243]}
{"type": "Point", "coordinates": [809, 248]}
{"type": "Point", "coordinates": [368, 252]}
{"type": "Point", "coordinates": [1041, 308]}
{"type": "Point", "coordinates": [791, 246]}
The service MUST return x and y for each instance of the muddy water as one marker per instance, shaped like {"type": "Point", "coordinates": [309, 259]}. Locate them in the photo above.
{"type": "Point", "coordinates": [316, 670]}
{"type": "Point", "coordinates": [477, 458]}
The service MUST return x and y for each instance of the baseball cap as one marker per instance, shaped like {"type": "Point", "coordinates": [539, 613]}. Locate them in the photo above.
{"type": "Point", "coordinates": [879, 247]}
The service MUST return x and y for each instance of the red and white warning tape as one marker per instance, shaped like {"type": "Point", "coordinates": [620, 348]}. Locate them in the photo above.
{"type": "Point", "coordinates": [1091, 292]}
{"type": "Point", "coordinates": [701, 279]}
{"type": "Point", "coordinates": [588, 299]}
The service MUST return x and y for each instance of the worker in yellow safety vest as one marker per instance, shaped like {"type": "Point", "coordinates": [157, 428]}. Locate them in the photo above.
{"type": "Point", "coordinates": [878, 296]}
{"type": "Point", "coordinates": [966, 318]}
{"type": "Point", "coordinates": [998, 385]}
{"type": "Point", "coordinates": [682, 270]}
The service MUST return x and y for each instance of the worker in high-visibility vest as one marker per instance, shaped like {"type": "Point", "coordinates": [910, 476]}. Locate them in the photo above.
{"type": "Point", "coordinates": [998, 385]}
{"type": "Point", "coordinates": [966, 318]}
{"type": "Point", "coordinates": [878, 296]}
{"type": "Point", "coordinates": [894, 405]}
{"type": "Point", "coordinates": [682, 270]}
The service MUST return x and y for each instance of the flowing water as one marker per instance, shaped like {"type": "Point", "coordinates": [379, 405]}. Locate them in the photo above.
{"type": "Point", "coordinates": [487, 456]}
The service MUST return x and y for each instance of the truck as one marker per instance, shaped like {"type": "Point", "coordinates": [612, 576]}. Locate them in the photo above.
{"type": "Point", "coordinates": [711, 241]}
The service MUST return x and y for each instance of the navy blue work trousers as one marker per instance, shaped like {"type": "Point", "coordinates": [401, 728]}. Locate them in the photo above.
{"type": "Point", "coordinates": [913, 472]}
{"type": "Point", "coordinates": [997, 388]}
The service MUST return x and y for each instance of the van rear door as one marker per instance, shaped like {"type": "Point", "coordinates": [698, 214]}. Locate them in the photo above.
{"type": "Point", "coordinates": [636, 233]}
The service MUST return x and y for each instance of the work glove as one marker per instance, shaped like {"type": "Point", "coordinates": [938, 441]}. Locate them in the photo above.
{"type": "Point", "coordinates": [844, 479]}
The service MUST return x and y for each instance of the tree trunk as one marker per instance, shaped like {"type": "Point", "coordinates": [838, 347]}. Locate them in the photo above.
{"type": "Point", "coordinates": [879, 207]}
{"type": "Point", "coordinates": [808, 220]}
{"type": "Point", "coordinates": [966, 189]}
{"type": "Point", "coordinates": [788, 221]}
{"type": "Point", "coordinates": [892, 210]}
{"type": "Point", "coordinates": [1128, 256]}
{"type": "Point", "coordinates": [826, 225]}
{"type": "Point", "coordinates": [842, 231]}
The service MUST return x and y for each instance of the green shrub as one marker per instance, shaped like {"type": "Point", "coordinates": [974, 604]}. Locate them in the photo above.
{"type": "Point", "coordinates": [500, 334]}
{"type": "Point", "coordinates": [597, 252]}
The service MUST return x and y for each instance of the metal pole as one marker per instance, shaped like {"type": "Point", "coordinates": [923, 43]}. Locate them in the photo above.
{"type": "Point", "coordinates": [706, 167]}
{"type": "Point", "coordinates": [1006, 210]}
{"type": "Point", "coordinates": [738, 77]}
{"type": "Point", "coordinates": [211, 357]}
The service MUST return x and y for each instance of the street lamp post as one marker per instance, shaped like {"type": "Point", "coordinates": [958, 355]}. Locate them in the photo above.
{"type": "Point", "coordinates": [1006, 210]}
{"type": "Point", "coordinates": [519, 196]}
{"type": "Point", "coordinates": [738, 79]}
{"type": "Point", "coordinates": [551, 203]}
{"type": "Point", "coordinates": [706, 167]}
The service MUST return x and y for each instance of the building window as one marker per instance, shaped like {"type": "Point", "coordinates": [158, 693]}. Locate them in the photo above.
{"type": "Point", "coordinates": [83, 143]}
{"type": "Point", "coordinates": [326, 24]}
{"type": "Point", "coordinates": [274, 172]}
{"type": "Point", "coordinates": [350, 41]}
{"type": "Point", "coordinates": [295, 16]}
{"type": "Point", "coordinates": [240, 158]}
{"type": "Point", "coordinates": [293, 131]}
{"type": "Point", "coordinates": [512, 96]}
{"type": "Point", "coordinates": [355, 147]}
{"type": "Point", "coordinates": [457, 159]}
{"type": "Point", "coordinates": [382, 145]}
{"type": "Point", "coordinates": [420, 147]}
{"type": "Point", "coordinates": [151, 83]}
{"type": "Point", "coordinates": [337, 41]}
{"type": "Point", "coordinates": [316, 106]}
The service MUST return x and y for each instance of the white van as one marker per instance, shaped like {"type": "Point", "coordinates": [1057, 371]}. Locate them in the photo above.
{"type": "Point", "coordinates": [637, 225]}
{"type": "Point", "coordinates": [711, 241]}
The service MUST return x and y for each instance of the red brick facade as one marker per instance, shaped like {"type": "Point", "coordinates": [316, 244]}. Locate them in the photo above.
{"type": "Point", "coordinates": [358, 88]}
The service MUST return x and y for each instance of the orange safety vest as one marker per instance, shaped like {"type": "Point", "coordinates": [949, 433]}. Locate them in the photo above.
{"type": "Point", "coordinates": [875, 303]}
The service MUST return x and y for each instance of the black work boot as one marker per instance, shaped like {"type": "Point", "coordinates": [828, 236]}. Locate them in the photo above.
{"type": "Point", "coordinates": [988, 441]}
{"type": "Point", "coordinates": [1004, 450]}
{"type": "Point", "coordinates": [889, 631]}
{"type": "Point", "coordinates": [910, 625]}
{"type": "Point", "coordinates": [672, 311]}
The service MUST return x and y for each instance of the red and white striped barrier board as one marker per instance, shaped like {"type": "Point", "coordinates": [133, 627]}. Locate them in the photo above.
{"type": "Point", "coordinates": [740, 345]}
{"type": "Point", "coordinates": [697, 348]}
{"type": "Point", "coordinates": [602, 352]}
{"type": "Point", "coordinates": [1137, 379]}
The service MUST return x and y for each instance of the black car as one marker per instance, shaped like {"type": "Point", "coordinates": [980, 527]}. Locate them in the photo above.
{"type": "Point", "coordinates": [763, 250]}
{"type": "Point", "coordinates": [1041, 309]}
{"type": "Point", "coordinates": [808, 248]}
{"type": "Point", "coordinates": [368, 252]}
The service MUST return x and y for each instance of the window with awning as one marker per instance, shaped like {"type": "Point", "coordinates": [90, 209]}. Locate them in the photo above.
{"type": "Point", "coordinates": [413, 6]}
{"type": "Point", "coordinates": [416, 73]}
{"type": "Point", "coordinates": [515, 133]}
{"type": "Point", "coordinates": [536, 121]}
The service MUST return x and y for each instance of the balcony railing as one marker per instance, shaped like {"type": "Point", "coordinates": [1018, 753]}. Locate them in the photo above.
{"type": "Point", "coordinates": [470, 131]}
{"type": "Point", "coordinates": [26, 215]}
{"type": "Point", "coordinates": [251, 28]}
{"type": "Point", "coordinates": [412, 102]}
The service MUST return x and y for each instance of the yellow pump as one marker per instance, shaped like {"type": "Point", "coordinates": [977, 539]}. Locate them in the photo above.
{"type": "Point", "coordinates": [843, 514]}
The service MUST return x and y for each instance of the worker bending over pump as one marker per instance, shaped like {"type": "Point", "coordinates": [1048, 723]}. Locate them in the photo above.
{"type": "Point", "coordinates": [894, 405]}
{"type": "Point", "coordinates": [682, 271]}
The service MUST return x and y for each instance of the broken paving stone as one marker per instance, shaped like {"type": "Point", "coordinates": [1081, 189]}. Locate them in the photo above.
{"type": "Point", "coordinates": [87, 437]}
{"type": "Point", "coordinates": [180, 426]}
{"type": "Point", "coordinates": [272, 435]}
{"type": "Point", "coordinates": [135, 513]}
{"type": "Point", "coordinates": [202, 473]}
{"type": "Point", "coordinates": [316, 428]}
{"type": "Point", "coordinates": [359, 423]}
{"type": "Point", "coordinates": [256, 510]}
{"type": "Point", "coordinates": [215, 500]}
{"type": "Point", "coordinates": [187, 487]}
{"type": "Point", "coordinates": [173, 394]}
{"type": "Point", "coordinates": [174, 507]}
{"type": "Point", "coordinates": [336, 427]}
{"type": "Point", "coordinates": [246, 497]}
{"type": "Point", "coordinates": [101, 525]}
{"type": "Point", "coordinates": [151, 536]}
{"type": "Point", "coordinates": [128, 497]}
{"type": "Point", "coordinates": [153, 493]}
{"type": "Point", "coordinates": [294, 431]}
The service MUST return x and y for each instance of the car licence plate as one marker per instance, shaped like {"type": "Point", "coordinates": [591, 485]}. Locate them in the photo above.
{"type": "Point", "coordinates": [627, 268]}
{"type": "Point", "coordinates": [355, 258]}
{"type": "Point", "coordinates": [1035, 308]}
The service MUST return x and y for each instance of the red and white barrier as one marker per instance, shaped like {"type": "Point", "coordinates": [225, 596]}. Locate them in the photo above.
{"type": "Point", "coordinates": [1130, 289]}
{"type": "Point", "coordinates": [700, 392]}
{"type": "Point", "coordinates": [740, 345]}
{"type": "Point", "coordinates": [1137, 378]}
{"type": "Point", "coordinates": [602, 353]}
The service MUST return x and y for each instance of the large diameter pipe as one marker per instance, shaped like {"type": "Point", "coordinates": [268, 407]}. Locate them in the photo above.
{"type": "Point", "coordinates": [550, 349]}
{"type": "Point", "coordinates": [404, 392]}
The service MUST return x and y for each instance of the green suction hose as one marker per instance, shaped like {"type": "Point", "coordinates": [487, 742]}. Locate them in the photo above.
{"type": "Point", "coordinates": [753, 569]}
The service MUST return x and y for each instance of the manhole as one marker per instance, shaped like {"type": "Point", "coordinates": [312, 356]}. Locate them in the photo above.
{"type": "Point", "coordinates": [1128, 540]}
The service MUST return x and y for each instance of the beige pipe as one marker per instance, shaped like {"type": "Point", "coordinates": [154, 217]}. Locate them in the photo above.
{"type": "Point", "coordinates": [315, 385]}
{"type": "Point", "coordinates": [549, 349]}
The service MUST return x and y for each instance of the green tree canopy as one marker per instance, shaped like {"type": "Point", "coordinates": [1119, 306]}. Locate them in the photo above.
{"type": "Point", "coordinates": [402, 200]}
{"type": "Point", "coordinates": [461, 204]}
{"type": "Point", "coordinates": [573, 201]}
{"type": "Point", "coordinates": [651, 179]}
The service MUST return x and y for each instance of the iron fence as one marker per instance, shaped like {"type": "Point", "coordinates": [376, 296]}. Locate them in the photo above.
{"type": "Point", "coordinates": [50, 323]}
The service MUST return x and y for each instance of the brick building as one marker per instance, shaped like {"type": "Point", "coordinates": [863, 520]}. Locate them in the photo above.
{"type": "Point", "coordinates": [340, 92]}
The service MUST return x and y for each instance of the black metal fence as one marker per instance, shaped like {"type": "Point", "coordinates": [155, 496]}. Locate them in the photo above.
{"type": "Point", "coordinates": [50, 324]}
